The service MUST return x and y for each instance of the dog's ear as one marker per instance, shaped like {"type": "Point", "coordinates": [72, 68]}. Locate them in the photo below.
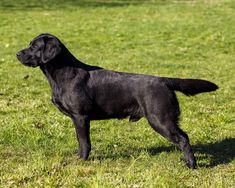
{"type": "Point", "coordinates": [51, 49]}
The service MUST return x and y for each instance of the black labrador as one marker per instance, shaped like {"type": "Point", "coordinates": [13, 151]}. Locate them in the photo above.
{"type": "Point", "coordinates": [86, 93]}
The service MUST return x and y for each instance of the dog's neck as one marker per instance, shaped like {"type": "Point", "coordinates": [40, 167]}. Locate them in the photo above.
{"type": "Point", "coordinates": [64, 67]}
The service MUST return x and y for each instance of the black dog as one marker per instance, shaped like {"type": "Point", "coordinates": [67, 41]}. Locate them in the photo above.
{"type": "Point", "coordinates": [86, 93]}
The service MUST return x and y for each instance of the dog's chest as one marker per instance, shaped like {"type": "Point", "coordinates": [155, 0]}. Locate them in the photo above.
{"type": "Point", "coordinates": [70, 102]}
{"type": "Point", "coordinates": [58, 99]}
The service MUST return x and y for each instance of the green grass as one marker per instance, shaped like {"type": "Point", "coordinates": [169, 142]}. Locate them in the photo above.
{"type": "Point", "coordinates": [193, 39]}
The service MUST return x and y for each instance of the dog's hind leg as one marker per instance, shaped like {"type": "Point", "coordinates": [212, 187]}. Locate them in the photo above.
{"type": "Point", "coordinates": [169, 129]}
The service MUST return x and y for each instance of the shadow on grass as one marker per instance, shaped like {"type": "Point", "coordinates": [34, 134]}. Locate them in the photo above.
{"type": "Point", "coordinates": [221, 152]}
{"type": "Point", "coordinates": [58, 4]}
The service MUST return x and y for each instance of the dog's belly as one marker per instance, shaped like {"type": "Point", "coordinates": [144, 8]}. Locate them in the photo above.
{"type": "Point", "coordinates": [100, 116]}
{"type": "Point", "coordinates": [118, 112]}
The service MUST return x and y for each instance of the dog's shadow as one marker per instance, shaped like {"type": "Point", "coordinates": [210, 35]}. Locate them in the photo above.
{"type": "Point", "coordinates": [221, 152]}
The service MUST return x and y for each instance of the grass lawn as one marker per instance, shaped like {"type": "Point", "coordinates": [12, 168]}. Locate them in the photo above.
{"type": "Point", "coordinates": [194, 39]}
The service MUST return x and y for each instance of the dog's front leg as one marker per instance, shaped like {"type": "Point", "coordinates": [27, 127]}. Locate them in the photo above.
{"type": "Point", "coordinates": [82, 125]}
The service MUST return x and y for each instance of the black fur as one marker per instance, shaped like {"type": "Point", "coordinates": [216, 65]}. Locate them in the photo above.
{"type": "Point", "coordinates": [86, 93]}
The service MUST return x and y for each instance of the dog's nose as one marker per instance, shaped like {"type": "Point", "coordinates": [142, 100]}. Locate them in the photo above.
{"type": "Point", "coordinates": [18, 54]}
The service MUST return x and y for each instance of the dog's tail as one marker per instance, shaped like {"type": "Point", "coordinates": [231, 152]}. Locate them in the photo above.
{"type": "Point", "coordinates": [190, 86]}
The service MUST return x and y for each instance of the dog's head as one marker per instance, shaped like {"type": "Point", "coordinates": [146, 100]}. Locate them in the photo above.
{"type": "Point", "coordinates": [42, 49]}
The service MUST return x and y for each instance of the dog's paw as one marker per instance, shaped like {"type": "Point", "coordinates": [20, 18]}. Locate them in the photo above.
{"type": "Point", "coordinates": [189, 163]}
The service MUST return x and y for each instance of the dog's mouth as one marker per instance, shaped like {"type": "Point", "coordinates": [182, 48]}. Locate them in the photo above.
{"type": "Point", "coordinates": [27, 62]}
{"type": "Point", "coordinates": [29, 65]}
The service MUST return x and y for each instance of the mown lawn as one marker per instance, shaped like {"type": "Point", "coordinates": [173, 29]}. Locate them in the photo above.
{"type": "Point", "coordinates": [171, 38]}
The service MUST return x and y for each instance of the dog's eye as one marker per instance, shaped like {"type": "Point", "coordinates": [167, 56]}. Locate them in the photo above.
{"type": "Point", "coordinates": [34, 45]}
